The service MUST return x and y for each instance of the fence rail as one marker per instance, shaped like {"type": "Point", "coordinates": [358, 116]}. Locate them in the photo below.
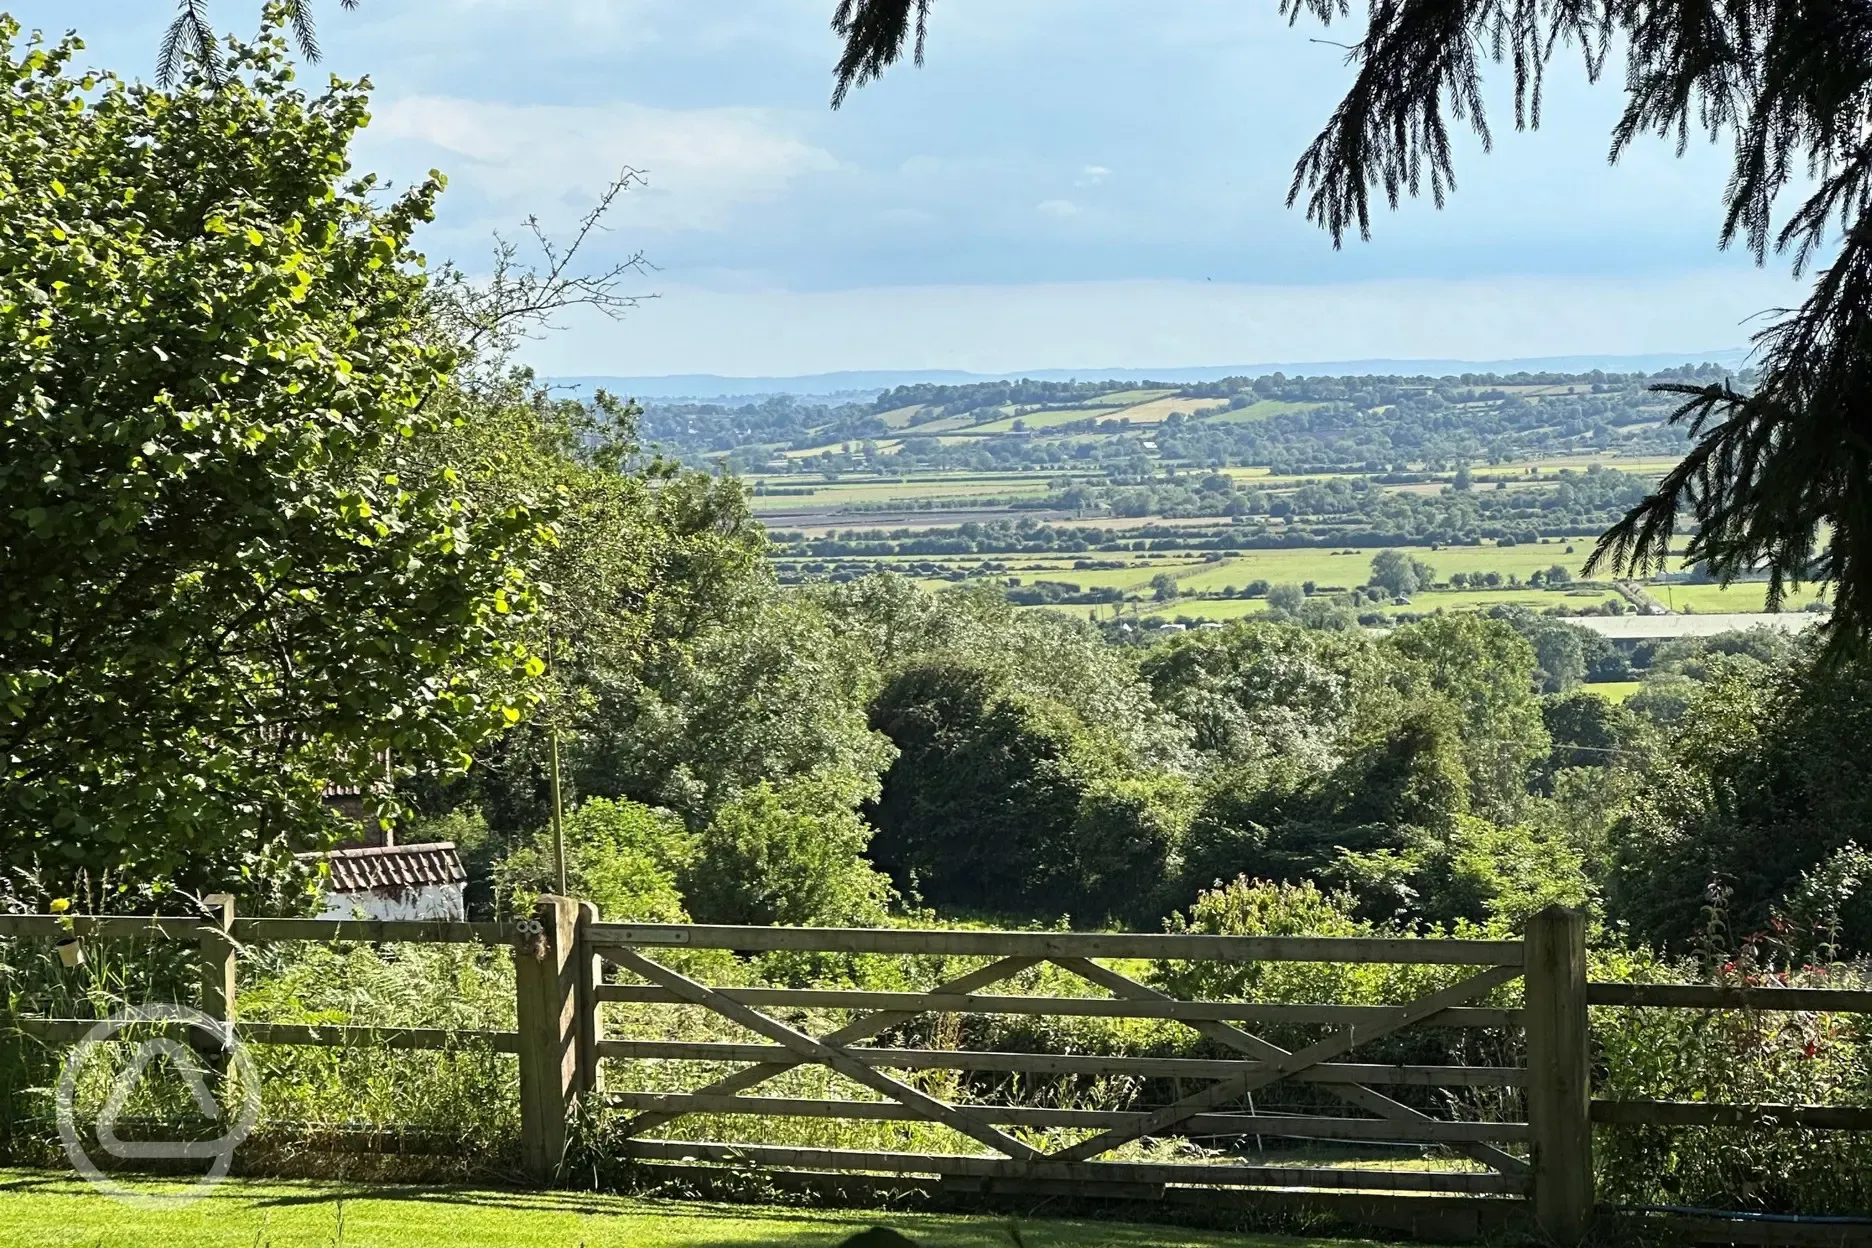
{"type": "Point", "coordinates": [1068, 1007]}
{"type": "Point", "coordinates": [1168, 946]}
{"type": "Point", "coordinates": [1074, 1063]}
{"type": "Point", "coordinates": [1634, 1112]}
{"type": "Point", "coordinates": [571, 969]}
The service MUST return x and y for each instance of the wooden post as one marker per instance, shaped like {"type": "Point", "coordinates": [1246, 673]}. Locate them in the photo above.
{"type": "Point", "coordinates": [546, 1008]}
{"type": "Point", "coordinates": [1559, 1074]}
{"type": "Point", "coordinates": [218, 972]}
{"type": "Point", "coordinates": [590, 1019]}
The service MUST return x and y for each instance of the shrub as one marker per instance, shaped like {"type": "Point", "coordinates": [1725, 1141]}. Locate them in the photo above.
{"type": "Point", "coordinates": [622, 856]}
{"type": "Point", "coordinates": [787, 853]}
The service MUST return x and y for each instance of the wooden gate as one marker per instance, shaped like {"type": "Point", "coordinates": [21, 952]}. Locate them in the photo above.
{"type": "Point", "coordinates": [1509, 1169]}
{"type": "Point", "coordinates": [1534, 1165]}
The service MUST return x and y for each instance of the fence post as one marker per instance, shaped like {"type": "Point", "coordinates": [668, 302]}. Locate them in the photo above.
{"type": "Point", "coordinates": [590, 1021]}
{"type": "Point", "coordinates": [546, 1010]}
{"type": "Point", "coordinates": [218, 971]}
{"type": "Point", "coordinates": [1559, 1074]}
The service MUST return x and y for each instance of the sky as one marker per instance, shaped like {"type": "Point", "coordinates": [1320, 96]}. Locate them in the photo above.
{"type": "Point", "coordinates": [1065, 184]}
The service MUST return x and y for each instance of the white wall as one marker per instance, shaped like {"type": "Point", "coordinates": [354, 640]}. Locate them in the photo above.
{"type": "Point", "coordinates": [428, 901]}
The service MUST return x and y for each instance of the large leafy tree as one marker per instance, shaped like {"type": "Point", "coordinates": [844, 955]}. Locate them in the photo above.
{"type": "Point", "coordinates": [224, 581]}
{"type": "Point", "coordinates": [1777, 477]}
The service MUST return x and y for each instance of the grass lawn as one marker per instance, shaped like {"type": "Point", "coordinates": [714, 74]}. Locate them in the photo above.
{"type": "Point", "coordinates": [1614, 690]}
{"type": "Point", "coordinates": [40, 1209]}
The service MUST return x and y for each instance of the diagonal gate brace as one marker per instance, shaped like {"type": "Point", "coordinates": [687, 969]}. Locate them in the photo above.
{"type": "Point", "coordinates": [1243, 1042]}
{"type": "Point", "coordinates": [1280, 1068]}
{"type": "Point", "coordinates": [857, 1029]}
{"type": "Point", "coordinates": [832, 1055]}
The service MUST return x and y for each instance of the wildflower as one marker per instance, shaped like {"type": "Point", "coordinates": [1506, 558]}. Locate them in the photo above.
{"type": "Point", "coordinates": [60, 905]}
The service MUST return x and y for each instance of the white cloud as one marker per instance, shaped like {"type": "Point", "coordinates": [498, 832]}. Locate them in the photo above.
{"type": "Point", "coordinates": [702, 164]}
{"type": "Point", "coordinates": [1092, 175]}
{"type": "Point", "coordinates": [1060, 208]}
{"type": "Point", "coordinates": [1162, 324]}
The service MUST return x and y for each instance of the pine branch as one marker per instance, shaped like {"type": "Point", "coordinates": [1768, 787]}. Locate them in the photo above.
{"type": "Point", "coordinates": [188, 40]}
{"type": "Point", "coordinates": [875, 32]}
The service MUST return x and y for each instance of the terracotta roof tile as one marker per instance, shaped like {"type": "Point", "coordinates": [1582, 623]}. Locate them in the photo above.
{"type": "Point", "coordinates": [392, 866]}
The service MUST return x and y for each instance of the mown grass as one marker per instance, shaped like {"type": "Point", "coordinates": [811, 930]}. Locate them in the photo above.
{"type": "Point", "coordinates": [44, 1210]}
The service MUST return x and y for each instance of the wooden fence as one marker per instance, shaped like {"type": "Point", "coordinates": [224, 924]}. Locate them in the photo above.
{"type": "Point", "coordinates": [569, 966]}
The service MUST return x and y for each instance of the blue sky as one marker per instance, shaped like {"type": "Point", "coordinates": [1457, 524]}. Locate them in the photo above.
{"type": "Point", "coordinates": [1066, 184]}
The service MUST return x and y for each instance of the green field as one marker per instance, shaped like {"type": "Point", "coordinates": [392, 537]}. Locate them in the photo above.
{"type": "Point", "coordinates": [1335, 567]}
{"type": "Point", "coordinates": [1156, 411]}
{"type": "Point", "coordinates": [946, 497]}
{"type": "Point", "coordinates": [1197, 609]}
{"type": "Point", "coordinates": [1260, 410]}
{"type": "Point", "coordinates": [1422, 603]}
{"type": "Point", "coordinates": [45, 1210]}
{"type": "Point", "coordinates": [1125, 398]}
{"type": "Point", "coordinates": [1712, 599]}
{"type": "Point", "coordinates": [826, 494]}
{"type": "Point", "coordinates": [1614, 690]}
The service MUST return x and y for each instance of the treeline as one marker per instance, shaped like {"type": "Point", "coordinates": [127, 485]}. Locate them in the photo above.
{"type": "Point", "coordinates": [955, 400]}
{"type": "Point", "coordinates": [1030, 535]}
{"type": "Point", "coordinates": [1571, 502]}
{"type": "Point", "coordinates": [829, 754]}
{"type": "Point", "coordinates": [701, 430]}
{"type": "Point", "coordinates": [1365, 424]}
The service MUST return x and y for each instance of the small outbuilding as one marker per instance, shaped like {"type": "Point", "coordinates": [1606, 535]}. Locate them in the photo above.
{"type": "Point", "coordinates": [394, 882]}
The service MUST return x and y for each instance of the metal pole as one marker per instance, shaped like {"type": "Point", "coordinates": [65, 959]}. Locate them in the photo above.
{"type": "Point", "coordinates": [558, 824]}
{"type": "Point", "coordinates": [558, 810]}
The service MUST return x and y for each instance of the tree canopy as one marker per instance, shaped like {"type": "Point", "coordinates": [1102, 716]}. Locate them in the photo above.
{"type": "Point", "coordinates": [224, 582]}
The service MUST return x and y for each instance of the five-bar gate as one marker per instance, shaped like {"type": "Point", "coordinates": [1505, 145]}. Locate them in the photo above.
{"type": "Point", "coordinates": [1540, 1165]}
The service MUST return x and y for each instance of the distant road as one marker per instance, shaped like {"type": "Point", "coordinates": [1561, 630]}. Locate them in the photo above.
{"type": "Point", "coordinates": [1641, 627]}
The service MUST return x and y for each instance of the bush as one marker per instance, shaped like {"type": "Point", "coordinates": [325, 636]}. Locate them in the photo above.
{"type": "Point", "coordinates": [788, 853]}
{"type": "Point", "coordinates": [622, 856]}
{"type": "Point", "coordinates": [1122, 840]}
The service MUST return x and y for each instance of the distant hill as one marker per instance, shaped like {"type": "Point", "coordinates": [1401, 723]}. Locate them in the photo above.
{"type": "Point", "coordinates": [866, 385]}
{"type": "Point", "coordinates": [1383, 424]}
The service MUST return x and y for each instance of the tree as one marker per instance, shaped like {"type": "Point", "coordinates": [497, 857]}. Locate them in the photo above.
{"type": "Point", "coordinates": [788, 853]}
{"type": "Point", "coordinates": [623, 857]}
{"type": "Point", "coordinates": [220, 589]}
{"type": "Point", "coordinates": [978, 808]}
{"type": "Point", "coordinates": [1285, 597]}
{"type": "Point", "coordinates": [1777, 477]}
{"type": "Point", "coordinates": [1765, 783]}
{"type": "Point", "coordinates": [1398, 572]}
{"type": "Point", "coordinates": [1558, 575]}
{"type": "Point", "coordinates": [1163, 587]}
{"type": "Point", "coordinates": [1559, 655]}
{"type": "Point", "coordinates": [1005, 800]}
{"type": "Point", "coordinates": [1486, 669]}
